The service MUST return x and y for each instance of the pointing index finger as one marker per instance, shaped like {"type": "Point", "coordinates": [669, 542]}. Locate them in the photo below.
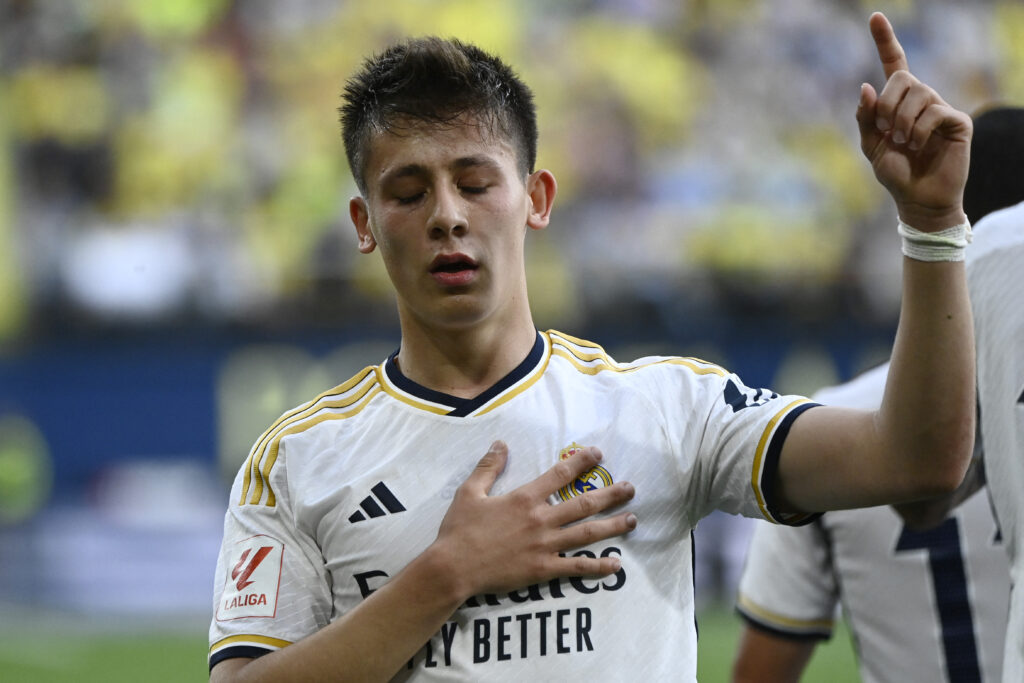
{"type": "Point", "coordinates": [889, 49]}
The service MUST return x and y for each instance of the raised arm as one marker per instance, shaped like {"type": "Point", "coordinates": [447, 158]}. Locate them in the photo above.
{"type": "Point", "coordinates": [918, 443]}
{"type": "Point", "coordinates": [373, 641]}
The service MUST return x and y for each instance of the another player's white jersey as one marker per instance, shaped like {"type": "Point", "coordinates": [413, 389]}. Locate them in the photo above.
{"type": "Point", "coordinates": [342, 493]}
{"type": "Point", "coordinates": [922, 606]}
{"type": "Point", "coordinates": [995, 276]}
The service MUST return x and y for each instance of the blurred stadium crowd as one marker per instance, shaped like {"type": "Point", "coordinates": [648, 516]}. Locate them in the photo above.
{"type": "Point", "coordinates": [177, 166]}
{"type": "Point", "coordinates": [180, 163]}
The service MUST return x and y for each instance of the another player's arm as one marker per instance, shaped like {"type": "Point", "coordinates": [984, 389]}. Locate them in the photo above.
{"type": "Point", "coordinates": [373, 641]}
{"type": "Point", "coordinates": [918, 443]}
{"type": "Point", "coordinates": [765, 656]}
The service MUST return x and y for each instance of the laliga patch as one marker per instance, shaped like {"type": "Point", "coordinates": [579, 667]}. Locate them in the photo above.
{"type": "Point", "coordinates": [594, 478]}
{"type": "Point", "coordinates": [254, 576]}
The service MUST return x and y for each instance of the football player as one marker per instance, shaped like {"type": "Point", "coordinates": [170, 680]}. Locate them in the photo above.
{"type": "Point", "coordinates": [366, 539]}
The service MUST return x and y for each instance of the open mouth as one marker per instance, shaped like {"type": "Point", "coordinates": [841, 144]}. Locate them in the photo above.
{"type": "Point", "coordinates": [455, 267]}
{"type": "Point", "coordinates": [453, 270]}
{"type": "Point", "coordinates": [454, 263]}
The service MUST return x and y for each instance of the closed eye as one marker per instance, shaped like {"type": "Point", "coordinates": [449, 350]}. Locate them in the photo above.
{"type": "Point", "coordinates": [410, 199]}
{"type": "Point", "coordinates": [470, 189]}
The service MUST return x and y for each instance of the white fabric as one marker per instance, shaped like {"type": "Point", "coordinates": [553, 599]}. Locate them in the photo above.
{"type": "Point", "coordinates": [995, 275]}
{"type": "Point", "coordinates": [795, 579]}
{"type": "Point", "coordinates": [687, 434]}
{"type": "Point", "coordinates": [943, 245]}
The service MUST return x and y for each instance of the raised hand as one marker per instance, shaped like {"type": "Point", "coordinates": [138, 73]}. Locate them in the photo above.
{"type": "Point", "coordinates": [918, 145]}
{"type": "Point", "coordinates": [506, 542]}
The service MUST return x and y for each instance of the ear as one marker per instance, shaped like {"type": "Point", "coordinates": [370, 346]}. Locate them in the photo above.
{"type": "Point", "coordinates": [360, 215]}
{"type": "Point", "coordinates": [541, 187]}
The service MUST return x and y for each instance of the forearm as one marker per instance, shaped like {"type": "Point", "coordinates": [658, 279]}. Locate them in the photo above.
{"type": "Point", "coordinates": [370, 643]}
{"type": "Point", "coordinates": [926, 421]}
{"type": "Point", "coordinates": [918, 443]}
{"type": "Point", "coordinates": [765, 657]}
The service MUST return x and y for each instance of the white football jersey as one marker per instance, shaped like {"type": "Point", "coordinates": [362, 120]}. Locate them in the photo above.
{"type": "Point", "coordinates": [995, 277]}
{"type": "Point", "coordinates": [343, 492]}
{"type": "Point", "coordinates": [922, 606]}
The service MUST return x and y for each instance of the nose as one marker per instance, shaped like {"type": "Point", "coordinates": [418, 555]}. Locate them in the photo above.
{"type": "Point", "coordinates": [447, 217]}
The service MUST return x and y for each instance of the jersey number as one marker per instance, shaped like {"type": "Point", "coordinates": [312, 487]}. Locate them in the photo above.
{"type": "Point", "coordinates": [946, 564]}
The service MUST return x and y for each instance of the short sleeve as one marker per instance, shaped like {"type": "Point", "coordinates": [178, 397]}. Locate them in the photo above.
{"type": "Point", "coordinates": [741, 444]}
{"type": "Point", "coordinates": [271, 587]}
{"type": "Point", "coordinates": [788, 585]}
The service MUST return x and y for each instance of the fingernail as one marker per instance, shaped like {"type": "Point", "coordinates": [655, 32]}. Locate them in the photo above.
{"type": "Point", "coordinates": [882, 124]}
{"type": "Point", "coordinates": [898, 137]}
{"type": "Point", "coordinates": [616, 564]}
{"type": "Point", "coordinates": [627, 487]}
{"type": "Point", "coordinates": [912, 145]}
{"type": "Point", "coordinates": [631, 520]}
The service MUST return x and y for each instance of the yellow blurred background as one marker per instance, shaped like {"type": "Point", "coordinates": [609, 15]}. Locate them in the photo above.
{"type": "Point", "coordinates": [177, 266]}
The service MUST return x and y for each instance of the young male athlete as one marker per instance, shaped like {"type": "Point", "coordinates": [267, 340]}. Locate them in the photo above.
{"type": "Point", "coordinates": [922, 605]}
{"type": "Point", "coordinates": [366, 541]}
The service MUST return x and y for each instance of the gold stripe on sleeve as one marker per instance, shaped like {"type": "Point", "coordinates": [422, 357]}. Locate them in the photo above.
{"type": "Point", "coordinates": [255, 455]}
{"type": "Point", "coordinates": [367, 396]}
{"type": "Point", "coordinates": [275, 643]}
{"type": "Point", "coordinates": [263, 474]}
{"type": "Point", "coordinates": [762, 446]}
{"type": "Point", "coordinates": [589, 352]}
{"type": "Point", "coordinates": [783, 621]}
{"type": "Point", "coordinates": [577, 362]}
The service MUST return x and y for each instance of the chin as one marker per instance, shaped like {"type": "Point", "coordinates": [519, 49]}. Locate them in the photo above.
{"type": "Point", "coordinates": [458, 312]}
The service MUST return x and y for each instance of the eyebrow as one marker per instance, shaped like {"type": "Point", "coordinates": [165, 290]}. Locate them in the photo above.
{"type": "Point", "coordinates": [474, 161]}
{"type": "Point", "coordinates": [462, 163]}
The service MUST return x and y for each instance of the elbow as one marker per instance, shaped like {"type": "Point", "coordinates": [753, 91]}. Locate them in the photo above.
{"type": "Point", "coordinates": [945, 479]}
{"type": "Point", "coordinates": [958, 455]}
{"type": "Point", "coordinates": [924, 515]}
{"type": "Point", "coordinates": [929, 461]}
{"type": "Point", "coordinates": [945, 476]}
{"type": "Point", "coordinates": [943, 466]}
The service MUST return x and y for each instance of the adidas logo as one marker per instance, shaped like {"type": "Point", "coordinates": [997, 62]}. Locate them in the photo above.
{"type": "Point", "coordinates": [372, 506]}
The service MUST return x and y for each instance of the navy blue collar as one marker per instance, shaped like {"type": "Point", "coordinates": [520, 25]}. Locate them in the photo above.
{"type": "Point", "coordinates": [460, 407]}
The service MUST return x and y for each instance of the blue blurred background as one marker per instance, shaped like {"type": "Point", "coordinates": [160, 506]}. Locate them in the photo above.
{"type": "Point", "coordinates": [177, 267]}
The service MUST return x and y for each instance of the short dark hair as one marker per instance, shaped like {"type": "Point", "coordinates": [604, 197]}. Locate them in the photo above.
{"type": "Point", "coordinates": [433, 81]}
{"type": "Point", "coordinates": [996, 176]}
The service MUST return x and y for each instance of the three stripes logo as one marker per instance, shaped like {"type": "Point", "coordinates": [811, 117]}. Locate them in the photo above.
{"type": "Point", "coordinates": [372, 505]}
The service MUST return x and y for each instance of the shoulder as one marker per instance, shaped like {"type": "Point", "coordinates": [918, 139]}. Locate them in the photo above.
{"type": "Point", "coordinates": [591, 359]}
{"type": "Point", "coordinates": [306, 422]}
{"type": "Point", "coordinates": [337, 404]}
{"type": "Point", "coordinates": [998, 230]}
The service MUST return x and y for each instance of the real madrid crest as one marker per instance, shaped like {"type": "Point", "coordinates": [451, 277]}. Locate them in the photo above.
{"type": "Point", "coordinates": [594, 478]}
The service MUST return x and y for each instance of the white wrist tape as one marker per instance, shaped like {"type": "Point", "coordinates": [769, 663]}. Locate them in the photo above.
{"type": "Point", "coordinates": [944, 245]}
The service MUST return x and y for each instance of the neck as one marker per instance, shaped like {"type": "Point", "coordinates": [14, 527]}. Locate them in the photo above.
{"type": "Point", "coordinates": [464, 362]}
